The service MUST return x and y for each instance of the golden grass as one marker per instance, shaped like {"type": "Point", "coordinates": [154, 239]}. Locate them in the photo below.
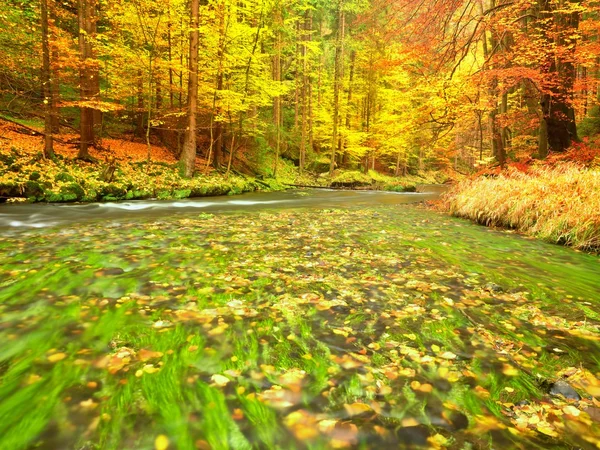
{"type": "Point", "coordinates": [560, 204]}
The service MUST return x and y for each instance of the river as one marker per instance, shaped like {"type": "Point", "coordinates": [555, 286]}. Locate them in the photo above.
{"type": "Point", "coordinates": [305, 319]}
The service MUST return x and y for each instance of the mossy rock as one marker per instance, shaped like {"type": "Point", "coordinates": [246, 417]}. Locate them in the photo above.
{"type": "Point", "coordinates": [53, 197]}
{"type": "Point", "coordinates": [63, 176]}
{"type": "Point", "coordinates": [351, 179]}
{"type": "Point", "coordinates": [112, 192]}
{"type": "Point", "coordinates": [72, 192]}
{"type": "Point", "coordinates": [199, 191]}
{"type": "Point", "coordinates": [163, 194]}
{"type": "Point", "coordinates": [33, 189]}
{"type": "Point", "coordinates": [136, 194]}
{"type": "Point", "coordinates": [181, 193]}
{"type": "Point", "coordinates": [10, 190]}
{"type": "Point", "coordinates": [90, 196]}
{"type": "Point", "coordinates": [34, 176]}
{"type": "Point", "coordinates": [217, 190]}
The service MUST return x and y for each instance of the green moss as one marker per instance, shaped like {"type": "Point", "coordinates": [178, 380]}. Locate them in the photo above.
{"type": "Point", "coordinates": [63, 176]}
{"type": "Point", "coordinates": [32, 189]}
{"type": "Point", "coordinates": [72, 192]}
{"type": "Point", "coordinates": [163, 194]}
{"type": "Point", "coordinates": [181, 193]}
{"type": "Point", "coordinates": [112, 192]}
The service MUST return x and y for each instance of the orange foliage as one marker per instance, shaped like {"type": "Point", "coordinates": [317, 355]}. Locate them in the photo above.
{"type": "Point", "coordinates": [121, 149]}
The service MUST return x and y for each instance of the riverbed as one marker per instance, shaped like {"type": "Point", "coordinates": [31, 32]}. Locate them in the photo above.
{"type": "Point", "coordinates": [306, 319]}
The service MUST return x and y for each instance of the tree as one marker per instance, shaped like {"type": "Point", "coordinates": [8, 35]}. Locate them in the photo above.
{"type": "Point", "coordinates": [87, 83]}
{"type": "Point", "coordinates": [188, 155]}
{"type": "Point", "coordinates": [47, 84]}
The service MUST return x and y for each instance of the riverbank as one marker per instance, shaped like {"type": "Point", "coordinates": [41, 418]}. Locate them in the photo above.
{"type": "Point", "coordinates": [558, 202]}
{"type": "Point", "coordinates": [126, 170]}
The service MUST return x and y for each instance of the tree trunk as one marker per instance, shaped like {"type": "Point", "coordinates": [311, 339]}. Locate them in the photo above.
{"type": "Point", "coordinates": [345, 158]}
{"type": "Point", "coordinates": [139, 129]}
{"type": "Point", "coordinates": [85, 8]}
{"type": "Point", "coordinates": [55, 98]}
{"type": "Point", "coordinates": [277, 99]}
{"type": "Point", "coordinates": [339, 49]}
{"type": "Point", "coordinates": [188, 155]}
{"type": "Point", "coordinates": [303, 87]}
{"type": "Point", "coordinates": [47, 84]}
{"type": "Point", "coordinates": [556, 102]}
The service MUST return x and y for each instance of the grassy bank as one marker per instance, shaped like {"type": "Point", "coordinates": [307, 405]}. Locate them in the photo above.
{"type": "Point", "coordinates": [559, 203]}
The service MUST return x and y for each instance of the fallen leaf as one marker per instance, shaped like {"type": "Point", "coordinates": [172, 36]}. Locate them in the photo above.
{"type": "Point", "coordinates": [161, 442]}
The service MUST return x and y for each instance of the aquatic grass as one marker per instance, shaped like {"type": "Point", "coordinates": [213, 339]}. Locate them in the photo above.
{"type": "Point", "coordinates": [249, 349]}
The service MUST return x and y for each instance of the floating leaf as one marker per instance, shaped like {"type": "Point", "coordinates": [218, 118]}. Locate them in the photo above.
{"type": "Point", "coordinates": [161, 442]}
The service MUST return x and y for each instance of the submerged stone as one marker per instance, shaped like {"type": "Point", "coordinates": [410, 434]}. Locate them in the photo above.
{"type": "Point", "coordinates": [565, 389]}
{"type": "Point", "coordinates": [493, 287]}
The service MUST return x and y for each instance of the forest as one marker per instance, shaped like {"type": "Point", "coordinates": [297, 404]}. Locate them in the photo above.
{"type": "Point", "coordinates": [397, 86]}
{"type": "Point", "coordinates": [256, 224]}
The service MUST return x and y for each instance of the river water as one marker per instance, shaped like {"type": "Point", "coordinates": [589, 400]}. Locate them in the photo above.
{"type": "Point", "coordinates": [305, 319]}
{"type": "Point", "coordinates": [23, 216]}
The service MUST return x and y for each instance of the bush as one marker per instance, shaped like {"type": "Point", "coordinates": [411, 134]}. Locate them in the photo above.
{"type": "Point", "coordinates": [590, 125]}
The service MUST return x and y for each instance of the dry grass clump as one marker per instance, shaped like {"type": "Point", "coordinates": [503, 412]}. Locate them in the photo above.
{"type": "Point", "coordinates": [560, 204]}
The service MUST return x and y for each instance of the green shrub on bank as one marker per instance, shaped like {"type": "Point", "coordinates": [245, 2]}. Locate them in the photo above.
{"type": "Point", "coordinates": [560, 204]}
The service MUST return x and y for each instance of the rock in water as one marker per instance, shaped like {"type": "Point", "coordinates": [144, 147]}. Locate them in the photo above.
{"type": "Point", "coordinates": [493, 287]}
{"type": "Point", "coordinates": [565, 389]}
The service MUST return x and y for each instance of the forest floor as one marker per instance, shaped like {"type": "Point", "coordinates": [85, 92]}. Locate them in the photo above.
{"type": "Point", "coordinates": [26, 175]}
{"type": "Point", "coordinates": [371, 327]}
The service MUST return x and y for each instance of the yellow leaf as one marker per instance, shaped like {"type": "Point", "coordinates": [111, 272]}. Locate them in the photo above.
{"type": "Point", "coordinates": [57, 357]}
{"type": "Point", "coordinates": [356, 409]}
{"type": "Point", "coordinates": [161, 442]}
{"type": "Point", "coordinates": [410, 422]}
{"type": "Point", "coordinates": [219, 380]}
{"type": "Point", "coordinates": [435, 348]}
{"type": "Point", "coordinates": [571, 410]}
{"type": "Point", "coordinates": [509, 370]}
{"type": "Point", "coordinates": [545, 429]}
{"type": "Point", "coordinates": [448, 355]}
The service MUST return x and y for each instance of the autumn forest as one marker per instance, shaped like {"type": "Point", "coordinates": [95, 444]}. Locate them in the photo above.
{"type": "Point", "coordinates": [397, 86]}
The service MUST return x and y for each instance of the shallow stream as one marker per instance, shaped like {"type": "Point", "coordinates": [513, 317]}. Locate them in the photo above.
{"type": "Point", "coordinates": [316, 319]}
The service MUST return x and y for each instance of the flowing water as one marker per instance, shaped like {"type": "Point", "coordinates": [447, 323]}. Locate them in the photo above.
{"type": "Point", "coordinates": [305, 319]}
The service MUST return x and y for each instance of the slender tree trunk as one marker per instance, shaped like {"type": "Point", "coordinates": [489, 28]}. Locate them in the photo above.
{"type": "Point", "coordinates": [303, 94]}
{"type": "Point", "coordinates": [139, 130]}
{"type": "Point", "coordinates": [85, 8]}
{"type": "Point", "coordinates": [277, 99]}
{"type": "Point", "coordinates": [218, 124]}
{"type": "Point", "coordinates": [188, 155]}
{"type": "Point", "coordinates": [297, 57]}
{"type": "Point", "coordinates": [348, 106]}
{"type": "Point", "coordinates": [47, 84]}
{"type": "Point", "coordinates": [339, 49]}
{"type": "Point", "coordinates": [55, 98]}
{"type": "Point", "coordinates": [170, 56]}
